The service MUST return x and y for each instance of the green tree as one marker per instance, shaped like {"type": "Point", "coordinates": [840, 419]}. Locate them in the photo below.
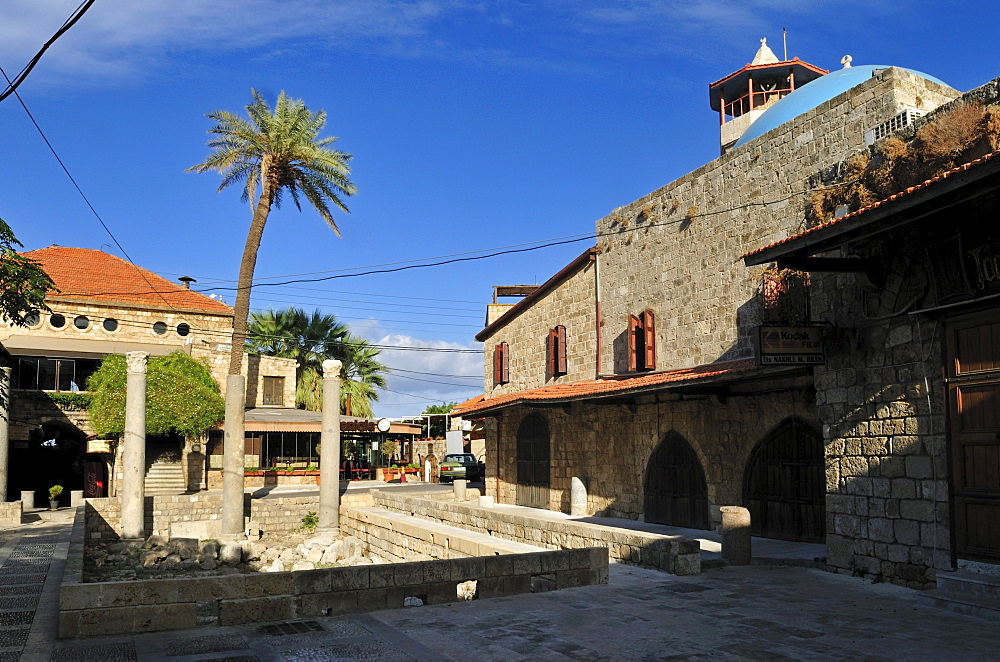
{"type": "Point", "coordinates": [308, 338]}
{"type": "Point", "coordinates": [274, 152]}
{"type": "Point", "coordinates": [23, 283]}
{"type": "Point", "coordinates": [361, 374]}
{"type": "Point", "coordinates": [181, 396]}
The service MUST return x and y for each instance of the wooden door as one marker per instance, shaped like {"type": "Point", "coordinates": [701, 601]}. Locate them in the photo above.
{"type": "Point", "coordinates": [533, 462]}
{"type": "Point", "coordinates": [973, 386]}
{"type": "Point", "coordinates": [676, 492]}
{"type": "Point", "coordinates": [785, 486]}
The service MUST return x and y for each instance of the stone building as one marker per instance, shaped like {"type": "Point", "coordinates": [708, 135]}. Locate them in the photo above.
{"type": "Point", "coordinates": [105, 305]}
{"type": "Point", "coordinates": [639, 369]}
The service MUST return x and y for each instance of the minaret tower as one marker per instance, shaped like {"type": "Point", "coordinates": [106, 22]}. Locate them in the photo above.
{"type": "Point", "coordinates": [742, 96]}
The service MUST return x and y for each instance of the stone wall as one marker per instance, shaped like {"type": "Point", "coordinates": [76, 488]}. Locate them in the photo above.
{"type": "Point", "coordinates": [10, 513]}
{"type": "Point", "coordinates": [676, 250]}
{"type": "Point", "coordinates": [571, 303]}
{"type": "Point", "coordinates": [609, 446]}
{"type": "Point", "coordinates": [679, 556]}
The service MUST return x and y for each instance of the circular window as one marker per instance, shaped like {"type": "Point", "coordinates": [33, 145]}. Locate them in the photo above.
{"type": "Point", "coordinates": [111, 324]}
{"type": "Point", "coordinates": [159, 328]}
{"type": "Point", "coordinates": [81, 322]}
{"type": "Point", "coordinates": [183, 329]}
{"type": "Point", "coordinates": [32, 320]}
{"type": "Point", "coordinates": [57, 321]}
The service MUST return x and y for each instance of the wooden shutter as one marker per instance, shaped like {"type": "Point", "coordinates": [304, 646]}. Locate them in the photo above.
{"type": "Point", "coordinates": [504, 363]}
{"type": "Point", "coordinates": [649, 340]}
{"type": "Point", "coordinates": [634, 328]}
{"type": "Point", "coordinates": [497, 364]}
{"type": "Point", "coordinates": [560, 346]}
{"type": "Point", "coordinates": [552, 353]}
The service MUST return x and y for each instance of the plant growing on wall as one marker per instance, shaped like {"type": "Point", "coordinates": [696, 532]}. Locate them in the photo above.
{"type": "Point", "coordinates": [181, 396]}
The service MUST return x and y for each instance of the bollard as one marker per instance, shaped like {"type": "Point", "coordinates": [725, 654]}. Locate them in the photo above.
{"type": "Point", "coordinates": [459, 485]}
{"type": "Point", "coordinates": [735, 530]}
{"type": "Point", "coordinates": [76, 498]}
{"type": "Point", "coordinates": [28, 500]}
{"type": "Point", "coordinates": [578, 498]}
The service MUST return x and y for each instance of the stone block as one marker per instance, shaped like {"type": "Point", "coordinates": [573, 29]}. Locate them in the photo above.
{"type": "Point", "coordinates": [437, 571]}
{"type": "Point", "coordinates": [69, 624]}
{"type": "Point", "coordinates": [79, 596]}
{"type": "Point", "coordinates": [372, 599]}
{"type": "Point", "coordinates": [120, 594]}
{"type": "Point", "coordinates": [904, 488]}
{"type": "Point", "coordinates": [408, 574]}
{"type": "Point", "coordinates": [467, 568]}
{"type": "Point", "coordinates": [349, 579]}
{"type": "Point", "coordinates": [439, 593]}
{"type": "Point", "coordinates": [312, 581]}
{"type": "Point", "coordinates": [498, 566]}
{"type": "Point", "coordinates": [159, 591]}
{"type": "Point", "coordinates": [881, 530]}
{"type": "Point", "coordinates": [107, 621]}
{"type": "Point", "coordinates": [907, 532]}
{"type": "Point", "coordinates": [212, 588]}
{"type": "Point", "coordinates": [152, 618]}
{"type": "Point", "coordinates": [554, 561]}
{"type": "Point", "coordinates": [259, 585]}
{"type": "Point", "coordinates": [335, 603]}
{"type": "Point", "coordinates": [579, 559]}
{"type": "Point", "coordinates": [256, 610]}
{"type": "Point", "coordinates": [575, 577]}
{"type": "Point", "coordinates": [380, 576]}
{"type": "Point", "coordinates": [526, 564]}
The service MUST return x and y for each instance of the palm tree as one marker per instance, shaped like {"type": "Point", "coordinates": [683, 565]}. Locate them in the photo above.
{"type": "Point", "coordinates": [361, 374]}
{"type": "Point", "coordinates": [308, 338]}
{"type": "Point", "coordinates": [274, 152]}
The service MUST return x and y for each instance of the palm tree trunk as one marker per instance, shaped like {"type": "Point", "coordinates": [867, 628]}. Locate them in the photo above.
{"type": "Point", "coordinates": [232, 471]}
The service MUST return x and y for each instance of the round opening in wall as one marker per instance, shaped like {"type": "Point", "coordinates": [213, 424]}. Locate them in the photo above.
{"type": "Point", "coordinates": [159, 328]}
{"type": "Point", "coordinates": [81, 322]}
{"type": "Point", "coordinates": [111, 324]}
{"type": "Point", "coordinates": [57, 321]}
{"type": "Point", "coordinates": [183, 329]}
{"type": "Point", "coordinates": [32, 320]}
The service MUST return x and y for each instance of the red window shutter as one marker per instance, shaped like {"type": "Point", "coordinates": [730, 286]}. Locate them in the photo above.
{"type": "Point", "coordinates": [560, 344]}
{"type": "Point", "coordinates": [497, 363]}
{"type": "Point", "coordinates": [649, 340]}
{"type": "Point", "coordinates": [551, 353]}
{"type": "Point", "coordinates": [504, 363]}
{"type": "Point", "coordinates": [634, 328]}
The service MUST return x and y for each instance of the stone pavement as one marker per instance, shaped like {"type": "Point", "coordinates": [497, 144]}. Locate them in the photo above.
{"type": "Point", "coordinates": [756, 613]}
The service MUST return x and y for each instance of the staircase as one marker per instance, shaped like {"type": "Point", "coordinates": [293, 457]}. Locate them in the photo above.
{"type": "Point", "coordinates": [964, 592]}
{"type": "Point", "coordinates": [165, 476]}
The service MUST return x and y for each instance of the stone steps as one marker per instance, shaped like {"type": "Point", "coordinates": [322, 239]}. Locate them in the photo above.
{"type": "Point", "coordinates": [963, 592]}
{"type": "Point", "coordinates": [165, 478]}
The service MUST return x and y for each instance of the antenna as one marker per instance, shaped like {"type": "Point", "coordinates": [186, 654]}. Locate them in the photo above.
{"type": "Point", "coordinates": [784, 40]}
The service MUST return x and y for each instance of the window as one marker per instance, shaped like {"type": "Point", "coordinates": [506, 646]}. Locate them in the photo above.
{"type": "Point", "coordinates": [501, 363]}
{"type": "Point", "coordinates": [183, 329]}
{"type": "Point", "coordinates": [159, 328]}
{"type": "Point", "coordinates": [641, 342]}
{"type": "Point", "coordinates": [110, 324]}
{"type": "Point", "coordinates": [81, 322]}
{"type": "Point", "coordinates": [557, 351]}
{"type": "Point", "coordinates": [274, 391]}
{"type": "Point", "coordinates": [57, 321]}
{"type": "Point", "coordinates": [48, 374]}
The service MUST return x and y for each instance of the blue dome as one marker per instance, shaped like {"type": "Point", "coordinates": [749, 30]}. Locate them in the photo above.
{"type": "Point", "coordinates": [813, 94]}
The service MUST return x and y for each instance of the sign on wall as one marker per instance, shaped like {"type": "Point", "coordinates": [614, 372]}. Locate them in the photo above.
{"type": "Point", "coordinates": [790, 345]}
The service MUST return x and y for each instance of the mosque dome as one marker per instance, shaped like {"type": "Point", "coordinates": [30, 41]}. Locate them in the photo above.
{"type": "Point", "coordinates": [813, 94]}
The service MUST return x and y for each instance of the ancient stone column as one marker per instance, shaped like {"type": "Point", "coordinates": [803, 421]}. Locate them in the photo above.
{"type": "Point", "coordinates": [735, 532]}
{"type": "Point", "coordinates": [458, 485]}
{"type": "Point", "coordinates": [577, 498]}
{"type": "Point", "coordinates": [134, 448]}
{"type": "Point", "coordinates": [232, 463]}
{"type": "Point", "coordinates": [329, 457]}
{"type": "Point", "coordinates": [4, 429]}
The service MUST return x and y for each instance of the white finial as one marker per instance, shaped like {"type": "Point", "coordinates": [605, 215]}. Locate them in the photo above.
{"type": "Point", "coordinates": [846, 61]}
{"type": "Point", "coordinates": [764, 54]}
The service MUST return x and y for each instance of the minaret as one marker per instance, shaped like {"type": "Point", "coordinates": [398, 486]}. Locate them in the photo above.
{"type": "Point", "coordinates": [742, 96]}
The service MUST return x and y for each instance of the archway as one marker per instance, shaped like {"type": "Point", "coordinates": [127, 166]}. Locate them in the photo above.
{"type": "Point", "coordinates": [676, 491]}
{"type": "Point", "coordinates": [785, 484]}
{"type": "Point", "coordinates": [533, 462]}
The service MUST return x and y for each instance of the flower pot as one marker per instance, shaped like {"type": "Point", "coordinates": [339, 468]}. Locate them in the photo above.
{"type": "Point", "coordinates": [53, 504]}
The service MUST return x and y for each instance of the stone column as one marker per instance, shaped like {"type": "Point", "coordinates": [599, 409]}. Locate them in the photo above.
{"type": "Point", "coordinates": [735, 530]}
{"type": "Point", "coordinates": [232, 464]}
{"type": "Point", "coordinates": [4, 429]}
{"type": "Point", "coordinates": [329, 458]}
{"type": "Point", "coordinates": [134, 448]}
{"type": "Point", "coordinates": [577, 498]}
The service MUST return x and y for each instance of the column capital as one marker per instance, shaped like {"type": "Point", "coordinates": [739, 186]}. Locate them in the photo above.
{"type": "Point", "coordinates": [331, 368]}
{"type": "Point", "coordinates": [137, 361]}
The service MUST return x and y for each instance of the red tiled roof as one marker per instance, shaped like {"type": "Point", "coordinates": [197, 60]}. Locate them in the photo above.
{"type": "Point", "coordinates": [880, 203]}
{"type": "Point", "coordinates": [604, 386]}
{"type": "Point", "coordinates": [756, 67]}
{"type": "Point", "coordinates": [84, 273]}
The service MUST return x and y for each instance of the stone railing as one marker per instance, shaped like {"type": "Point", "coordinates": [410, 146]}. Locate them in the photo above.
{"type": "Point", "coordinates": [122, 608]}
{"type": "Point", "coordinates": [673, 554]}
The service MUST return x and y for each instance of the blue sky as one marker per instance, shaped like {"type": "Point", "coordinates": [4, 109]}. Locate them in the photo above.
{"type": "Point", "coordinates": [474, 126]}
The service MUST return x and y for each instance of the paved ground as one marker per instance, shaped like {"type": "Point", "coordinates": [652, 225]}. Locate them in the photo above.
{"type": "Point", "coordinates": [756, 612]}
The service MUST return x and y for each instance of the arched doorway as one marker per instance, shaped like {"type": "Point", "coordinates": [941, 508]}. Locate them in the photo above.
{"type": "Point", "coordinates": [533, 462]}
{"type": "Point", "coordinates": [785, 484]}
{"type": "Point", "coordinates": [676, 492]}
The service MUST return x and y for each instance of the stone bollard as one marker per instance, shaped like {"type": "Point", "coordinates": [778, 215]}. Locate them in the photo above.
{"type": "Point", "coordinates": [27, 500]}
{"type": "Point", "coordinates": [76, 498]}
{"type": "Point", "coordinates": [459, 485]}
{"type": "Point", "coordinates": [578, 498]}
{"type": "Point", "coordinates": [486, 502]}
{"type": "Point", "coordinates": [735, 530]}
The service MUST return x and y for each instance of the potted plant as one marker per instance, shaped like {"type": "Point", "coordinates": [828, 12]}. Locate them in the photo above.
{"type": "Point", "coordinates": [54, 493]}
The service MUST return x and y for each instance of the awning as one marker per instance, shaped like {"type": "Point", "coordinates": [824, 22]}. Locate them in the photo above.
{"type": "Point", "coordinates": [287, 419]}
{"type": "Point", "coordinates": [78, 348]}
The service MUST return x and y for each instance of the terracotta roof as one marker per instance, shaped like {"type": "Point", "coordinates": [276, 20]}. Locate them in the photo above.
{"type": "Point", "coordinates": [604, 387]}
{"type": "Point", "coordinates": [892, 198]}
{"type": "Point", "coordinates": [84, 273]}
{"type": "Point", "coordinates": [771, 65]}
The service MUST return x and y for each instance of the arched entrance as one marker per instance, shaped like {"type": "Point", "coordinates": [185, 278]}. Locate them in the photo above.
{"type": "Point", "coordinates": [785, 484]}
{"type": "Point", "coordinates": [676, 492]}
{"type": "Point", "coordinates": [533, 462]}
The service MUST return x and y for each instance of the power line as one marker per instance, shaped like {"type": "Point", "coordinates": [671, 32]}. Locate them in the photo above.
{"type": "Point", "coordinates": [23, 74]}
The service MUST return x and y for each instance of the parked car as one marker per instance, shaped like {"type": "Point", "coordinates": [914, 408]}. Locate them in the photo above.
{"type": "Point", "coordinates": [461, 465]}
